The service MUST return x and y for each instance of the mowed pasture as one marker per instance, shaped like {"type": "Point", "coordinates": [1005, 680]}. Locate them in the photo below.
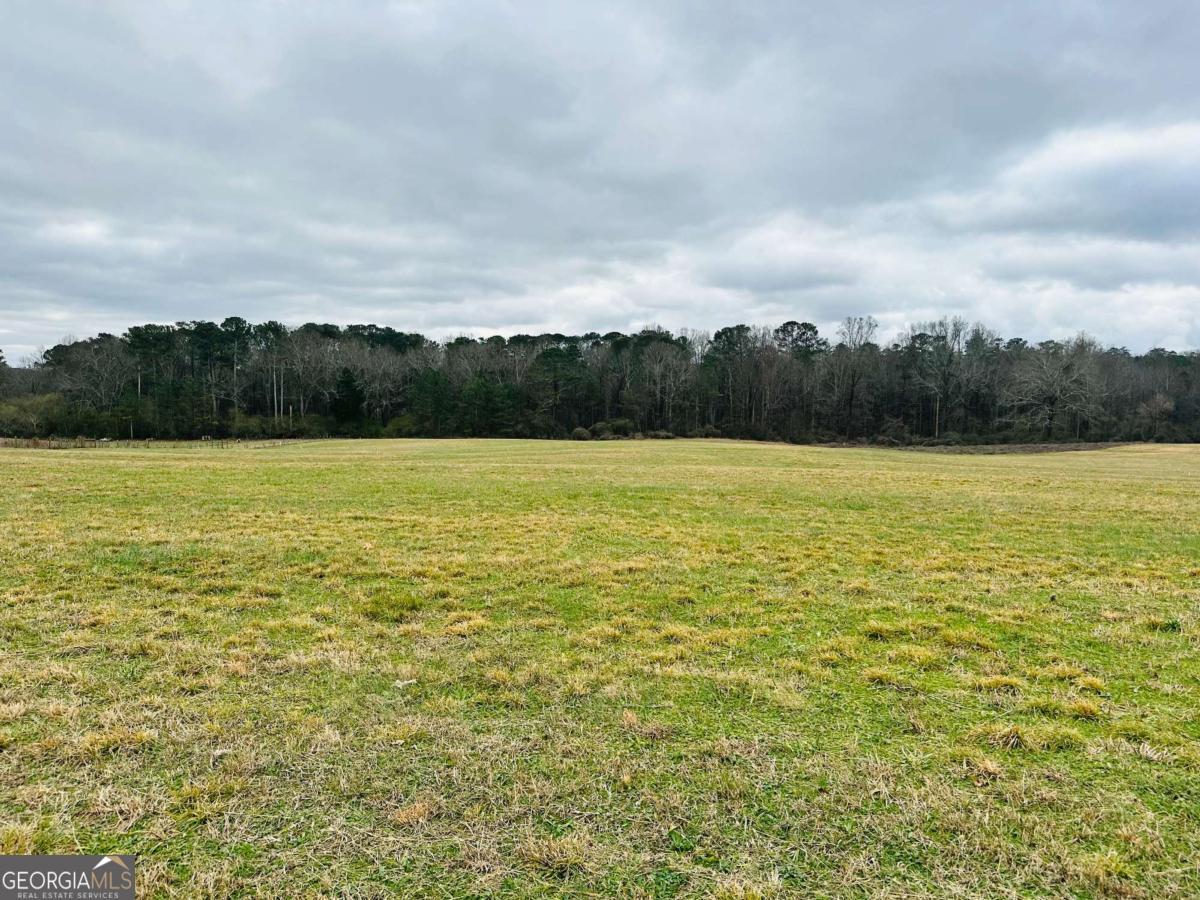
{"type": "Point", "coordinates": [676, 668]}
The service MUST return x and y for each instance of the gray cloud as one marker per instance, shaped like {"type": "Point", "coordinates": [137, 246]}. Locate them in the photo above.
{"type": "Point", "coordinates": [485, 166]}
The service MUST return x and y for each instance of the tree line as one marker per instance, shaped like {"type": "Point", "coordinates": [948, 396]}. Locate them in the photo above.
{"type": "Point", "coordinates": [945, 381]}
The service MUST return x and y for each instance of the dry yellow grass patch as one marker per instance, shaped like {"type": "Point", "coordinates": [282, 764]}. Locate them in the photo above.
{"type": "Point", "coordinates": [1030, 737]}
{"type": "Point", "coordinates": [413, 813]}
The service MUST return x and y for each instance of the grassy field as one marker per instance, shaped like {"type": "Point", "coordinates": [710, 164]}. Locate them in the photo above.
{"type": "Point", "coordinates": [682, 668]}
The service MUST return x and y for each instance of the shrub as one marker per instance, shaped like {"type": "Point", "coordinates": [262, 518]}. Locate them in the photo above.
{"type": "Point", "coordinates": [581, 434]}
{"type": "Point", "coordinates": [311, 426]}
{"type": "Point", "coordinates": [249, 427]}
{"type": "Point", "coordinates": [894, 431]}
{"type": "Point", "coordinates": [401, 426]}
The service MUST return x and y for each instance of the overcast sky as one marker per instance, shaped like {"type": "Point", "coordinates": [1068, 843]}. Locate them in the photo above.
{"type": "Point", "coordinates": [484, 167]}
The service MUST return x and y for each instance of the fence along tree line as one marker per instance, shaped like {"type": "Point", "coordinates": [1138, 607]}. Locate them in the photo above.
{"type": "Point", "coordinates": [945, 381]}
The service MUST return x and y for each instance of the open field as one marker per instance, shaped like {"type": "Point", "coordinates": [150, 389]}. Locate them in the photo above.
{"type": "Point", "coordinates": [637, 668]}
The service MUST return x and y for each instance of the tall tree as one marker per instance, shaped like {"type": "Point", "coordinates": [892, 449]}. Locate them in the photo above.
{"type": "Point", "coordinates": [853, 358]}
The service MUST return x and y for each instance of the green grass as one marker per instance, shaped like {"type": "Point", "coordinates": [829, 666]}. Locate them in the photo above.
{"type": "Point", "coordinates": [655, 669]}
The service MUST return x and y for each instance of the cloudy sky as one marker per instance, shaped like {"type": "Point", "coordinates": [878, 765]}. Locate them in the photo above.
{"type": "Point", "coordinates": [486, 166]}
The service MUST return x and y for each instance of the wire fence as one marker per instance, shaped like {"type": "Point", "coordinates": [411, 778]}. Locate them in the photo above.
{"type": "Point", "coordinates": [82, 443]}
